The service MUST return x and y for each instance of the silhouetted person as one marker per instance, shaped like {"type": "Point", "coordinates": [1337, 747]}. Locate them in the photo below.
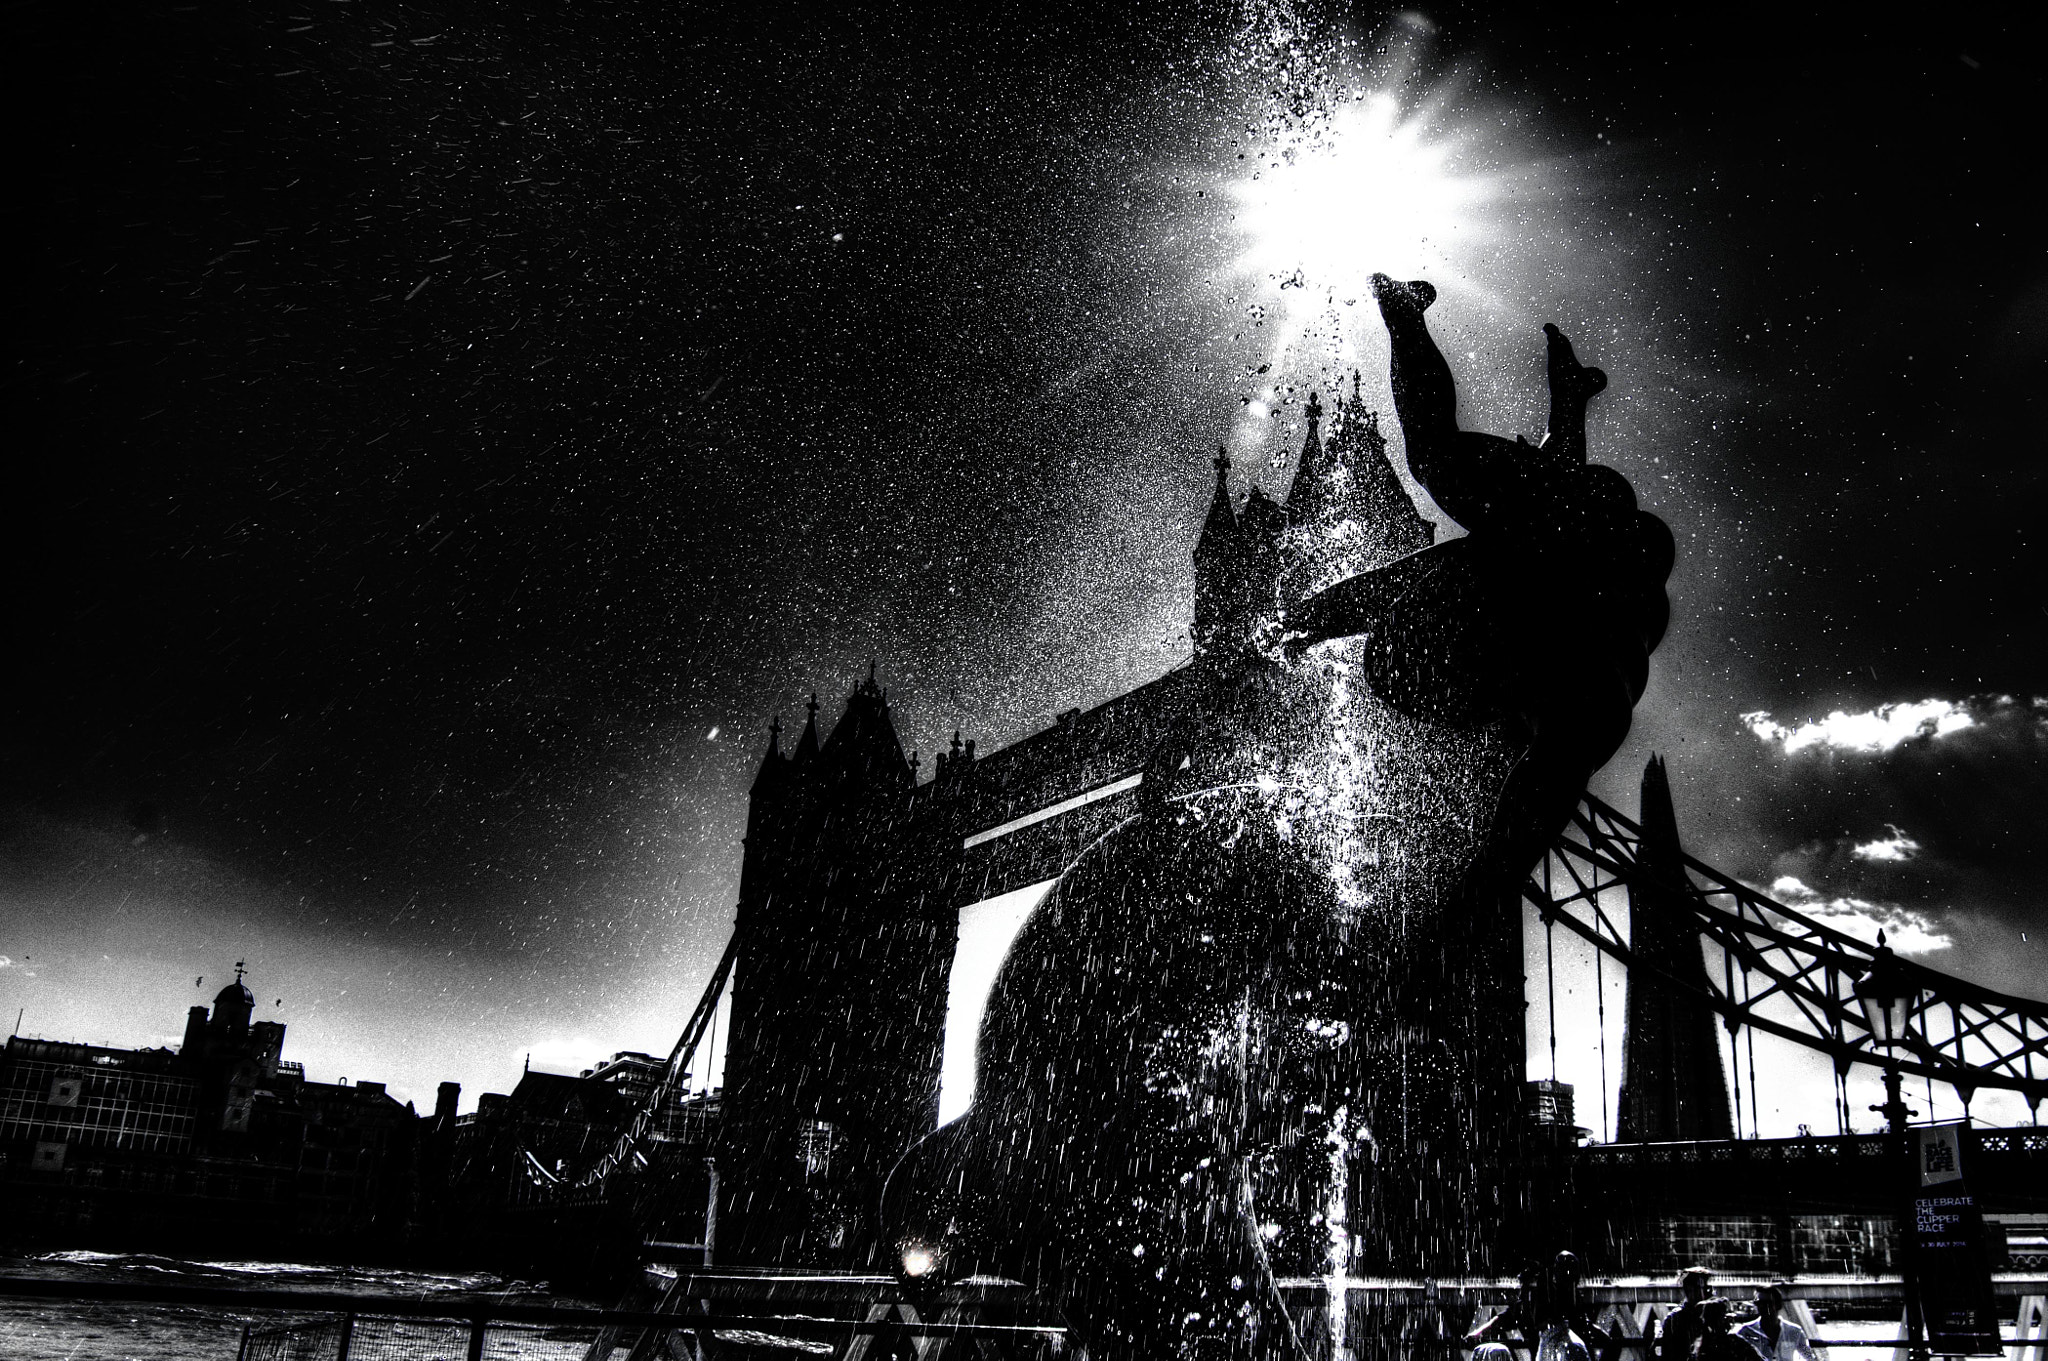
{"type": "Point", "coordinates": [1569, 1333]}
{"type": "Point", "coordinates": [1520, 1320]}
{"type": "Point", "coordinates": [1774, 1337]}
{"type": "Point", "coordinates": [1680, 1333]}
{"type": "Point", "coordinates": [1716, 1342]}
{"type": "Point", "coordinates": [1549, 1317]}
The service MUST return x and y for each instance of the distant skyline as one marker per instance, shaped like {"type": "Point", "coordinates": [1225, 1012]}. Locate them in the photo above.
{"type": "Point", "coordinates": [455, 435]}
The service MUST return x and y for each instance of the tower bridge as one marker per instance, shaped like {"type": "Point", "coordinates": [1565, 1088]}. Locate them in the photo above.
{"type": "Point", "coordinates": [1676, 1189]}
{"type": "Point", "coordinates": [860, 883]}
{"type": "Point", "coordinates": [857, 877]}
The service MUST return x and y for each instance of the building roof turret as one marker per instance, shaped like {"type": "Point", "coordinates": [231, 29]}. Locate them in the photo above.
{"type": "Point", "coordinates": [807, 744]}
{"type": "Point", "coordinates": [1372, 492]}
{"type": "Point", "coordinates": [955, 763]}
{"type": "Point", "coordinates": [774, 765]}
{"type": "Point", "coordinates": [1261, 520]}
{"type": "Point", "coordinates": [1219, 530]}
{"type": "Point", "coordinates": [1308, 495]}
{"type": "Point", "coordinates": [233, 1004]}
{"type": "Point", "coordinates": [864, 743]}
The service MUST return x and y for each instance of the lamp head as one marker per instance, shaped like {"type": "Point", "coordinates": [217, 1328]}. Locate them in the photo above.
{"type": "Point", "coordinates": [1886, 995]}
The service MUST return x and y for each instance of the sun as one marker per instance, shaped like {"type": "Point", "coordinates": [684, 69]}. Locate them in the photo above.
{"type": "Point", "coordinates": [1378, 186]}
{"type": "Point", "coordinates": [1372, 192]}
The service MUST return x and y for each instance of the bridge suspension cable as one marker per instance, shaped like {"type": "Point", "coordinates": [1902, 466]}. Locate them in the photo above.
{"type": "Point", "coordinates": [1797, 974]}
{"type": "Point", "coordinates": [648, 1112]}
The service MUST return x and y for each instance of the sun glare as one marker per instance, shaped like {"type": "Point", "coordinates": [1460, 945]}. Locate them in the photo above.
{"type": "Point", "coordinates": [1372, 193]}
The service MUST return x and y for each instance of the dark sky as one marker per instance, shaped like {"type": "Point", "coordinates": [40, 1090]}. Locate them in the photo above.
{"type": "Point", "coordinates": [450, 431]}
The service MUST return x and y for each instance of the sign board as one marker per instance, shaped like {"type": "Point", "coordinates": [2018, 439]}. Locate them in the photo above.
{"type": "Point", "coordinates": [1946, 1250]}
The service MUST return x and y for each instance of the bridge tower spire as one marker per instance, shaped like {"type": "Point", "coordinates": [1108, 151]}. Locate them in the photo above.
{"type": "Point", "coordinates": [1308, 496]}
{"type": "Point", "coordinates": [1219, 563]}
{"type": "Point", "coordinates": [807, 744]}
{"type": "Point", "coordinates": [773, 762]}
{"type": "Point", "coordinates": [1673, 1086]}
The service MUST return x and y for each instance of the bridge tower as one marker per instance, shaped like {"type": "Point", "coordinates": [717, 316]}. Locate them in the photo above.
{"type": "Point", "coordinates": [1673, 1086]}
{"type": "Point", "coordinates": [844, 947]}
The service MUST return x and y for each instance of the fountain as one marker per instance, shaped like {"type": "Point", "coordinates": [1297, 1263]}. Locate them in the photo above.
{"type": "Point", "coordinates": [1270, 1028]}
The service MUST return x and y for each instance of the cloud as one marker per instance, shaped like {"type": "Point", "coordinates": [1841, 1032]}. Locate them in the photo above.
{"type": "Point", "coordinates": [1969, 777]}
{"type": "Point", "coordinates": [1894, 849]}
{"type": "Point", "coordinates": [1934, 839]}
{"type": "Point", "coordinates": [1908, 932]}
{"type": "Point", "coordinates": [1888, 727]}
{"type": "Point", "coordinates": [1874, 730]}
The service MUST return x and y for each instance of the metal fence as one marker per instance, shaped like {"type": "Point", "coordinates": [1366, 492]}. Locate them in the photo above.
{"type": "Point", "coordinates": [320, 1340]}
{"type": "Point", "coordinates": [870, 1318]}
{"type": "Point", "coordinates": [361, 1337]}
{"type": "Point", "coordinates": [807, 1314]}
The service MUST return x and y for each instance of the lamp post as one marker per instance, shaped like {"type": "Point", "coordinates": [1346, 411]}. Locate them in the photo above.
{"type": "Point", "coordinates": [1886, 995]}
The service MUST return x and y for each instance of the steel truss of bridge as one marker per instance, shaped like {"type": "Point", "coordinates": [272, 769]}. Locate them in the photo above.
{"type": "Point", "coordinates": [1782, 972]}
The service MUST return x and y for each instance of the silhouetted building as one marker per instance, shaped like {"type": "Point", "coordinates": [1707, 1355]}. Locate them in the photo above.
{"type": "Point", "coordinates": [60, 1102]}
{"type": "Point", "coordinates": [231, 1056]}
{"type": "Point", "coordinates": [510, 1195]}
{"type": "Point", "coordinates": [1346, 510]}
{"type": "Point", "coordinates": [1672, 1085]}
{"type": "Point", "coordinates": [1550, 1108]}
{"type": "Point", "coordinates": [684, 1116]}
{"type": "Point", "coordinates": [219, 1143]}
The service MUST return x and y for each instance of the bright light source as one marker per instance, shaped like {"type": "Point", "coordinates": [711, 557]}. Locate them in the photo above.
{"type": "Point", "coordinates": [916, 1261]}
{"type": "Point", "coordinates": [1371, 194]}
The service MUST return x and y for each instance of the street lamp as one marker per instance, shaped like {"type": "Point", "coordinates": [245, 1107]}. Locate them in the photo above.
{"type": "Point", "coordinates": [1886, 995]}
